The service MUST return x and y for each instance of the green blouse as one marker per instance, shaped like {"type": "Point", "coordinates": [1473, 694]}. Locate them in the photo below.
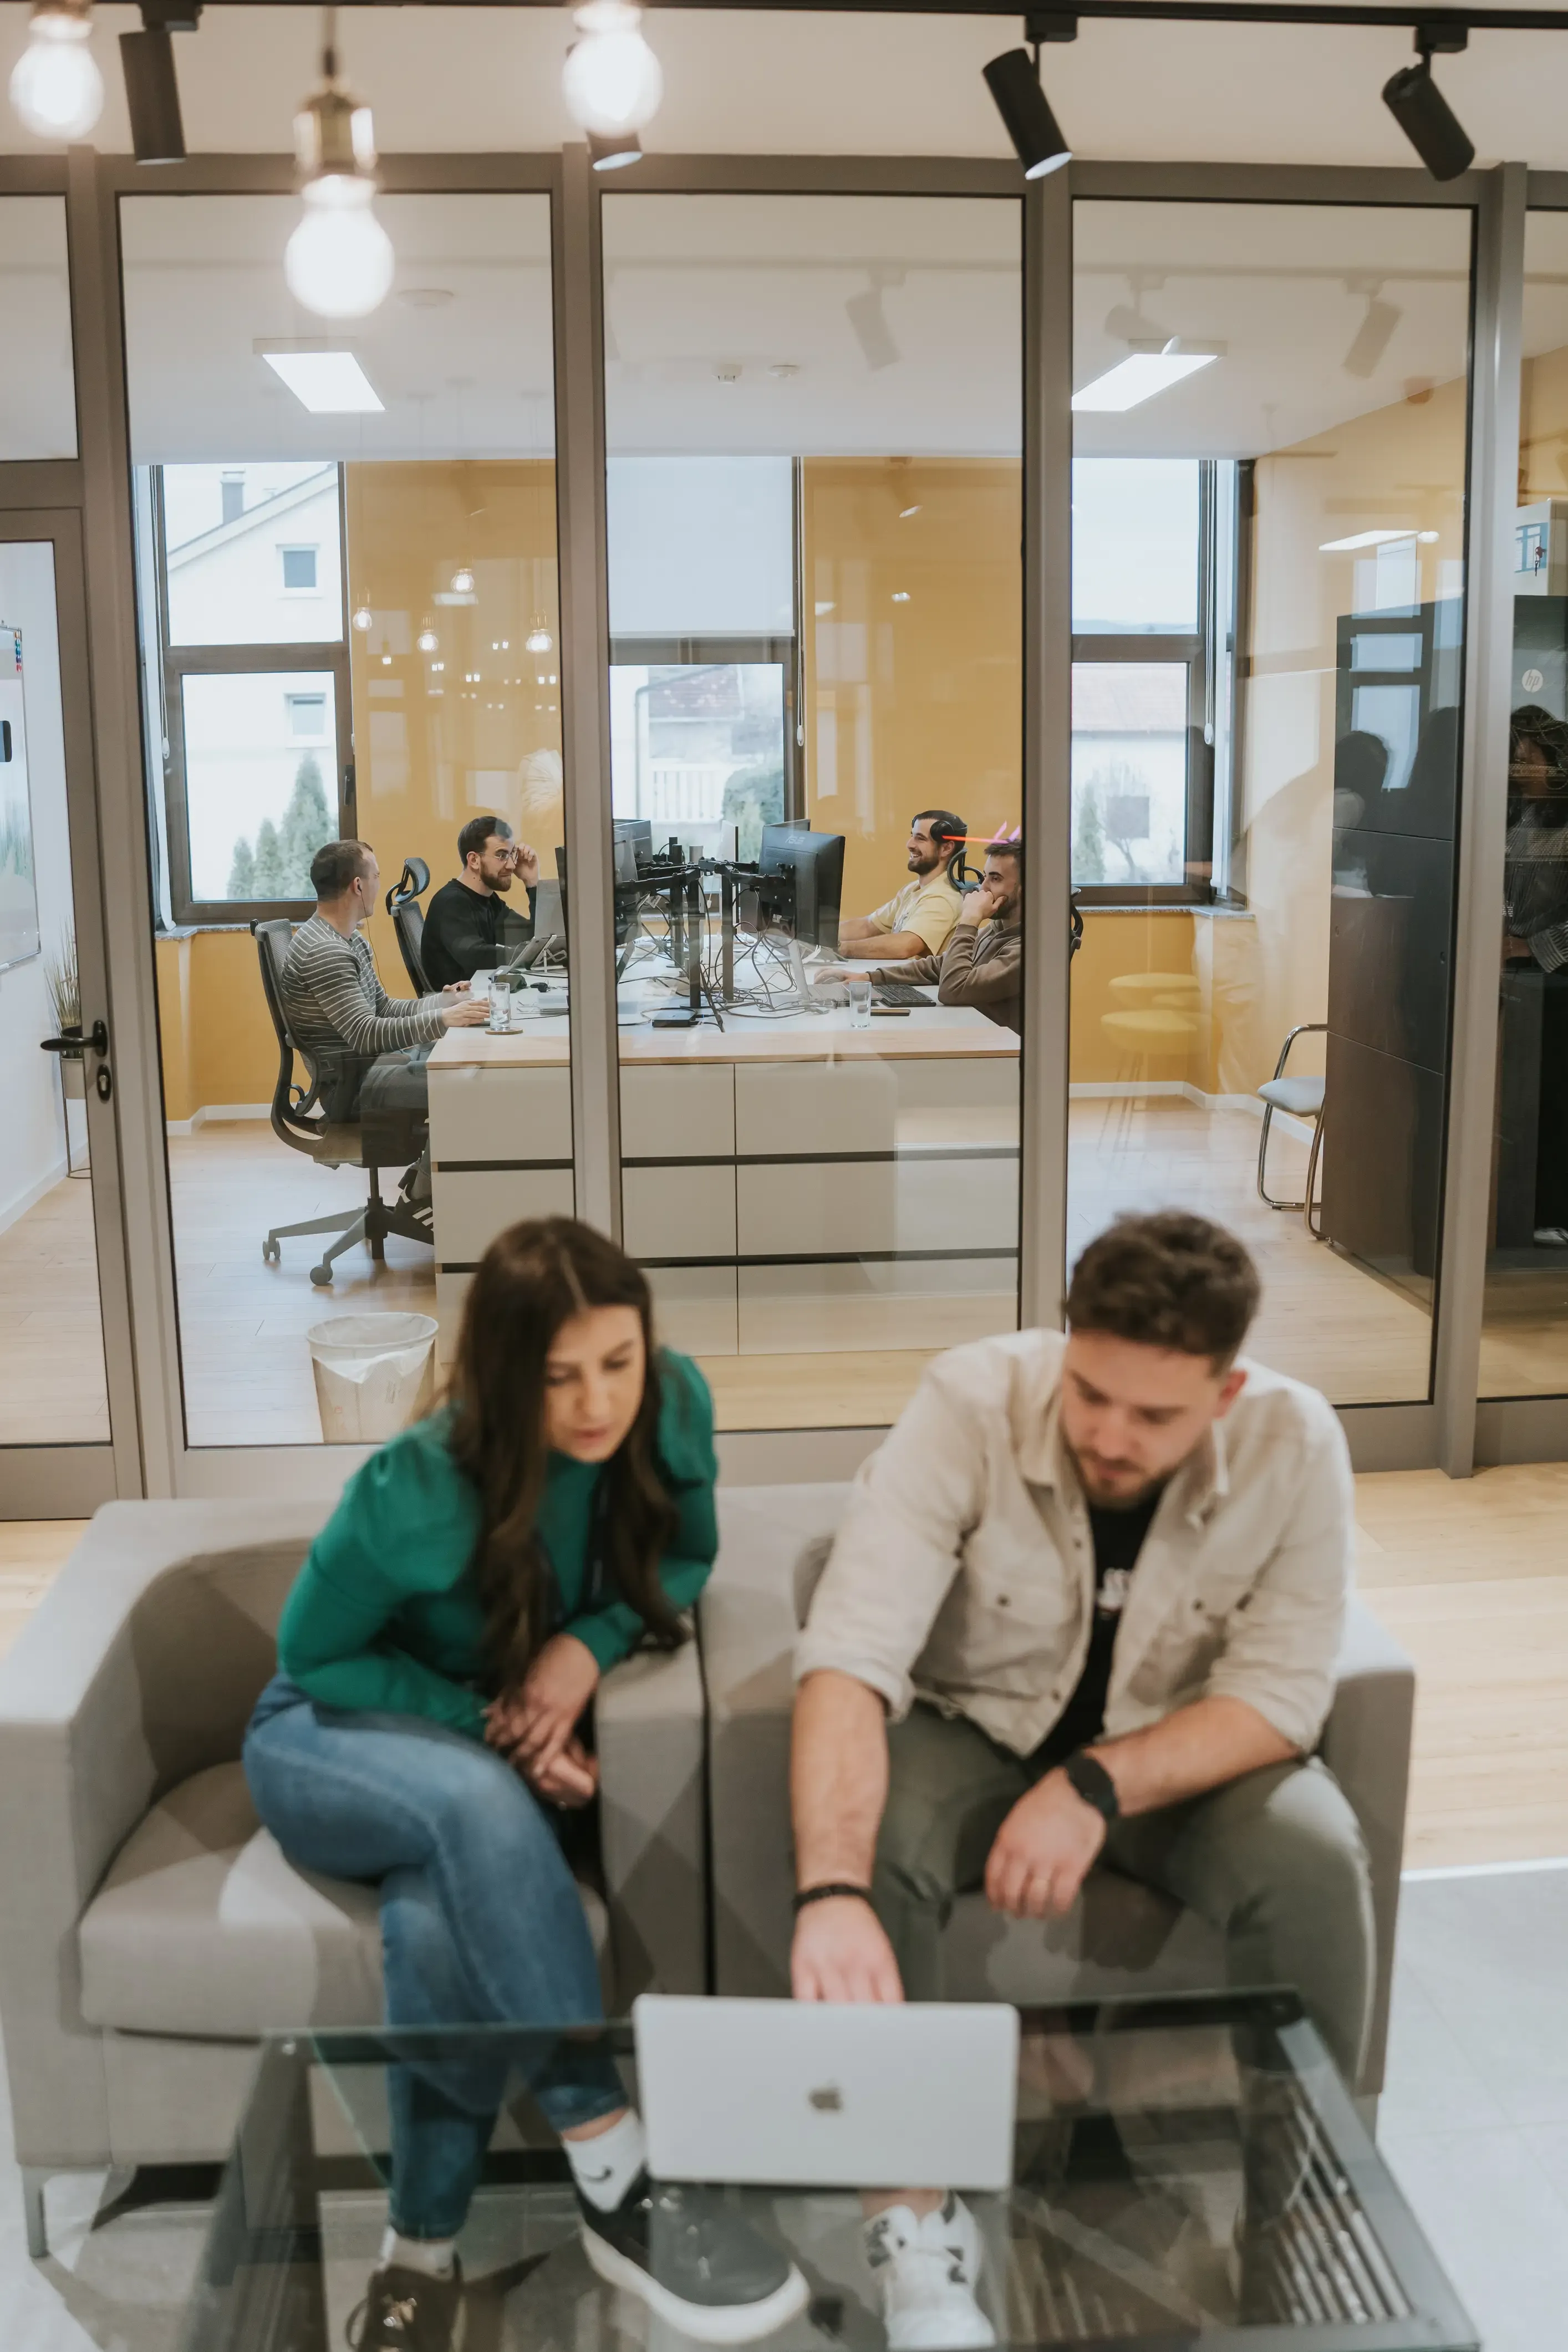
{"type": "Point", "coordinates": [385, 1615]}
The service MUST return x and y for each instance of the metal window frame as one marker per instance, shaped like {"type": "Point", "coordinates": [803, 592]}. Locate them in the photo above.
{"type": "Point", "coordinates": [1445, 1427]}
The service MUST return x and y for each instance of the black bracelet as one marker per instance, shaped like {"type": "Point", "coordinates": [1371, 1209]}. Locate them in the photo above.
{"type": "Point", "coordinates": [827, 1893]}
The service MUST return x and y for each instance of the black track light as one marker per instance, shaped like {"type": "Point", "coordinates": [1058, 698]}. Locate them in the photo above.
{"type": "Point", "coordinates": [1014, 83]}
{"type": "Point", "coordinates": [151, 90]}
{"type": "Point", "coordinates": [1422, 111]}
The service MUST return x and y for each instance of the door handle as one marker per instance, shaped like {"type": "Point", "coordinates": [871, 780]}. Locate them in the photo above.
{"type": "Point", "coordinates": [73, 1041]}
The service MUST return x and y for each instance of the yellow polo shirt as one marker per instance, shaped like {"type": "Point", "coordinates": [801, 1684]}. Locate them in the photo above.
{"type": "Point", "coordinates": [927, 906]}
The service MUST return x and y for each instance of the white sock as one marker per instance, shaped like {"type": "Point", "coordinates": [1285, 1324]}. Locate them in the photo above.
{"type": "Point", "coordinates": [605, 2166]}
{"type": "Point", "coordinates": [432, 2256]}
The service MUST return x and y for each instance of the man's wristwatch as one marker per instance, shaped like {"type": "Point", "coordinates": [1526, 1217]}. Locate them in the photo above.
{"type": "Point", "coordinates": [1093, 1783]}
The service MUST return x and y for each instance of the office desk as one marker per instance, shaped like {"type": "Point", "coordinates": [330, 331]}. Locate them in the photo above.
{"type": "Point", "coordinates": [789, 1184]}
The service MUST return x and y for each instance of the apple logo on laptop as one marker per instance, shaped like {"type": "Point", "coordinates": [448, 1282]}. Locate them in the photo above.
{"type": "Point", "coordinates": [828, 2100]}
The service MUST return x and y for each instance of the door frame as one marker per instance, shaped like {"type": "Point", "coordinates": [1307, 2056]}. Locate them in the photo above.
{"type": "Point", "coordinates": [70, 1480]}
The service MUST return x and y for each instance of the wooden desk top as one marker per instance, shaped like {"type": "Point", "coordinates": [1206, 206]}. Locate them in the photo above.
{"type": "Point", "coordinates": [939, 1032]}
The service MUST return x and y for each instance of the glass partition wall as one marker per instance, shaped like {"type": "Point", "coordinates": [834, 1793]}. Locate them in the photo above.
{"type": "Point", "coordinates": [1269, 591]}
{"type": "Point", "coordinates": [349, 625]}
{"type": "Point", "coordinates": [814, 516]}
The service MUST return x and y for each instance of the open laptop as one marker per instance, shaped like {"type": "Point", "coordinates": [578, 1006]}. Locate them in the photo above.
{"type": "Point", "coordinates": [814, 2095]}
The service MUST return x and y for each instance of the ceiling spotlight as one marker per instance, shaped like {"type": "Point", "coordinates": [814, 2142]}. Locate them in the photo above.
{"type": "Point", "coordinates": [872, 331]}
{"type": "Point", "coordinates": [539, 640]}
{"type": "Point", "coordinates": [611, 81]}
{"type": "Point", "coordinates": [56, 89]}
{"type": "Point", "coordinates": [339, 261]}
{"type": "Point", "coordinates": [1422, 111]}
{"type": "Point", "coordinates": [1014, 82]}
{"type": "Point", "coordinates": [1372, 338]}
{"type": "Point", "coordinates": [151, 90]}
{"type": "Point", "coordinates": [612, 151]}
{"type": "Point", "coordinates": [1138, 378]}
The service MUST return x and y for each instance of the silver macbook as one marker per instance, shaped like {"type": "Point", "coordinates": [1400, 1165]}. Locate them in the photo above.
{"type": "Point", "coordinates": [812, 2095]}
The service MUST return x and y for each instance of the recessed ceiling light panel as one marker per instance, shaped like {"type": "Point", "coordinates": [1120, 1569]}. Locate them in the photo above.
{"type": "Point", "coordinates": [329, 384]}
{"type": "Point", "coordinates": [1138, 378]}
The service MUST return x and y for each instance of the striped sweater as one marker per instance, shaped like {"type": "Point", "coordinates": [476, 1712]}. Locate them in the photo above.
{"type": "Point", "coordinates": [336, 1003]}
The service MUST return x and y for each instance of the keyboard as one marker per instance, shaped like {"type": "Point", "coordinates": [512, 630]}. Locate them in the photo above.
{"type": "Point", "coordinates": [899, 991]}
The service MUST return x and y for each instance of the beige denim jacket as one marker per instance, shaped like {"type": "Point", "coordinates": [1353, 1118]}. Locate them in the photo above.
{"type": "Point", "coordinates": [962, 1571]}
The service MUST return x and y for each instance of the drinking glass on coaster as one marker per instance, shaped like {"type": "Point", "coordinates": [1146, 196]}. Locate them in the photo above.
{"type": "Point", "coordinates": [501, 1003]}
{"type": "Point", "coordinates": [860, 1004]}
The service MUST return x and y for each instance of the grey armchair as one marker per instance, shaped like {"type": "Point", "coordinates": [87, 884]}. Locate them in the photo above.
{"type": "Point", "coordinates": [154, 1930]}
{"type": "Point", "coordinates": [1121, 1938]}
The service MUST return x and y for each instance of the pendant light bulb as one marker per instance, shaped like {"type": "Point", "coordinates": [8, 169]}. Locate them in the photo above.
{"type": "Point", "coordinates": [427, 641]}
{"type": "Point", "coordinates": [339, 262]}
{"type": "Point", "coordinates": [55, 87]}
{"type": "Point", "coordinates": [539, 640]}
{"type": "Point", "coordinates": [364, 618]}
{"type": "Point", "coordinates": [611, 81]}
{"type": "Point", "coordinates": [462, 582]}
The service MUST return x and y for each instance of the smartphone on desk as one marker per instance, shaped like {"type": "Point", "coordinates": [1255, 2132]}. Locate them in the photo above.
{"type": "Point", "coordinates": [891, 1011]}
{"type": "Point", "coordinates": [685, 1019]}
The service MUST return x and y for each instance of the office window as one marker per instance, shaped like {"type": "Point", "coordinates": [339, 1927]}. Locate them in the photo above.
{"type": "Point", "coordinates": [1268, 618]}
{"type": "Point", "coordinates": [253, 732]}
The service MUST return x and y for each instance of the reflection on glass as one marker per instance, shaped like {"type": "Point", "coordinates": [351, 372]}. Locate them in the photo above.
{"type": "Point", "coordinates": [350, 625]}
{"type": "Point", "coordinates": [37, 380]}
{"type": "Point", "coordinates": [815, 637]}
{"type": "Point", "coordinates": [1318, 786]}
{"type": "Point", "coordinates": [1524, 1339]}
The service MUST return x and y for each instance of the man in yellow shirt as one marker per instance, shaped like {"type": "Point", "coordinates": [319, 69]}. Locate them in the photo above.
{"type": "Point", "coordinates": [918, 920]}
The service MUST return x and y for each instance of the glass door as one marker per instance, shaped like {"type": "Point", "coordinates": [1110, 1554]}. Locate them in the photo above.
{"type": "Point", "coordinates": [67, 1423]}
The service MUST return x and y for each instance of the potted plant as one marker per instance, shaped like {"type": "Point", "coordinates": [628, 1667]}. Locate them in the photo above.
{"type": "Point", "coordinates": [64, 983]}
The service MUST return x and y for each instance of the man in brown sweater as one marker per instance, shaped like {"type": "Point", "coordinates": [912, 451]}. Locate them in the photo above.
{"type": "Point", "coordinates": [982, 962]}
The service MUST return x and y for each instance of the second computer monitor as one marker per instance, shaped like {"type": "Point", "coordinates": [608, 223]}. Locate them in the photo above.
{"type": "Point", "coordinates": [815, 861]}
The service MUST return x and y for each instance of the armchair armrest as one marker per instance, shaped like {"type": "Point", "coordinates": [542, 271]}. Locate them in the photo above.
{"type": "Point", "coordinates": [653, 1839]}
{"type": "Point", "coordinates": [1366, 1746]}
{"type": "Point", "coordinates": [140, 1667]}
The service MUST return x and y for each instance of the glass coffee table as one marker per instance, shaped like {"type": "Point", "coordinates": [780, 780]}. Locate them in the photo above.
{"type": "Point", "coordinates": [1187, 2172]}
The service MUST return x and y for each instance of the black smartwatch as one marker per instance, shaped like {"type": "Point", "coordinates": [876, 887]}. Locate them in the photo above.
{"type": "Point", "coordinates": [1093, 1783]}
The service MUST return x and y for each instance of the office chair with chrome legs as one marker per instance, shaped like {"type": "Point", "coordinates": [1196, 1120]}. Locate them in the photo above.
{"type": "Point", "coordinates": [375, 1143]}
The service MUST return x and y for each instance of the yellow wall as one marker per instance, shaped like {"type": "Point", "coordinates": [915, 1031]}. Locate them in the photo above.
{"type": "Point", "coordinates": [915, 704]}
{"type": "Point", "coordinates": [432, 746]}
{"type": "Point", "coordinates": [1218, 949]}
{"type": "Point", "coordinates": [217, 1040]}
{"type": "Point", "coordinates": [1543, 428]}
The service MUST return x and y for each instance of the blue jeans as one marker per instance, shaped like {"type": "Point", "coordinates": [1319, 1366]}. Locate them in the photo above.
{"type": "Point", "coordinates": [481, 1922]}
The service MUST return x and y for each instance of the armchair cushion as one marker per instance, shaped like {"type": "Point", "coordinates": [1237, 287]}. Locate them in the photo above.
{"type": "Point", "coordinates": [203, 1928]}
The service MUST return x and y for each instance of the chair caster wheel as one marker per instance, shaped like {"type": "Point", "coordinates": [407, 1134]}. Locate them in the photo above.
{"type": "Point", "coordinates": [322, 1275]}
{"type": "Point", "coordinates": [270, 1253]}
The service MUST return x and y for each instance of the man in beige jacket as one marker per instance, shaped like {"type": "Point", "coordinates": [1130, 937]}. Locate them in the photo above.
{"type": "Point", "coordinates": [1086, 1601]}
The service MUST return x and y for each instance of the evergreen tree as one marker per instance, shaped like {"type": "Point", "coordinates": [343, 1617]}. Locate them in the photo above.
{"type": "Point", "coordinates": [242, 872]}
{"type": "Point", "coordinates": [752, 797]}
{"type": "Point", "coordinates": [1089, 846]}
{"type": "Point", "coordinates": [269, 864]}
{"type": "Point", "coordinates": [306, 826]}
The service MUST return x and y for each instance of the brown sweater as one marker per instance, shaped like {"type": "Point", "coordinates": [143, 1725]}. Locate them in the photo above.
{"type": "Point", "coordinates": [982, 964]}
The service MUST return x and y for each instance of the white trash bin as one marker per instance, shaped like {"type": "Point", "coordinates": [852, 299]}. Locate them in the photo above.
{"type": "Point", "coordinates": [375, 1374]}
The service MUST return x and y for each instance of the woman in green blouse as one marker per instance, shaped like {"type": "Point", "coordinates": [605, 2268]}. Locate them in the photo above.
{"type": "Point", "coordinates": [426, 1731]}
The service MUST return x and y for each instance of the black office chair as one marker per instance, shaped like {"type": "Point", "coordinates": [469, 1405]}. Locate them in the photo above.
{"type": "Point", "coordinates": [408, 920]}
{"type": "Point", "coordinates": [335, 1143]}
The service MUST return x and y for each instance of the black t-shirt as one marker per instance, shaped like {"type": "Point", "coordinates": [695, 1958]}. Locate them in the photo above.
{"type": "Point", "coordinates": [1118, 1541]}
{"type": "Point", "coordinates": [464, 933]}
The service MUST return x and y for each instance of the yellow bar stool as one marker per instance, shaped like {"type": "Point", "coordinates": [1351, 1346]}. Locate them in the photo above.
{"type": "Point", "coordinates": [1138, 1036]}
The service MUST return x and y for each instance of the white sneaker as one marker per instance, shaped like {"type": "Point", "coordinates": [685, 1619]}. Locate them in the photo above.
{"type": "Point", "coordinates": [929, 2269]}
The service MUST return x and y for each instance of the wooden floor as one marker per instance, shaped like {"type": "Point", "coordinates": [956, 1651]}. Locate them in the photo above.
{"type": "Point", "coordinates": [1470, 1575]}
{"type": "Point", "coordinates": [242, 1323]}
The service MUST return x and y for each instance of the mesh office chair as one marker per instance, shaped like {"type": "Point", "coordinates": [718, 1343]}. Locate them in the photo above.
{"type": "Point", "coordinates": [408, 920]}
{"type": "Point", "coordinates": [335, 1143]}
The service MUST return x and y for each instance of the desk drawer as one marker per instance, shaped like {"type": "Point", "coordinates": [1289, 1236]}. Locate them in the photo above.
{"type": "Point", "coordinates": [824, 1210]}
{"type": "Point", "coordinates": [671, 1113]}
{"type": "Point", "coordinates": [474, 1204]}
{"type": "Point", "coordinates": [489, 1114]}
{"type": "Point", "coordinates": [678, 1212]}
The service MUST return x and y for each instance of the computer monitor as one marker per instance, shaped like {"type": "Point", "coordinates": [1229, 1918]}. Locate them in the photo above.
{"type": "Point", "coordinates": [638, 831]}
{"type": "Point", "coordinates": [815, 863]}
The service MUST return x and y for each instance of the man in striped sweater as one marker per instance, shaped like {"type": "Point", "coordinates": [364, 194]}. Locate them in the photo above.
{"type": "Point", "coordinates": [369, 1048]}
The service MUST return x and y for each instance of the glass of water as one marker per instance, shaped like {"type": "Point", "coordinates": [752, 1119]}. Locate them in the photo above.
{"type": "Point", "coordinates": [860, 1004]}
{"type": "Point", "coordinates": [501, 1003]}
